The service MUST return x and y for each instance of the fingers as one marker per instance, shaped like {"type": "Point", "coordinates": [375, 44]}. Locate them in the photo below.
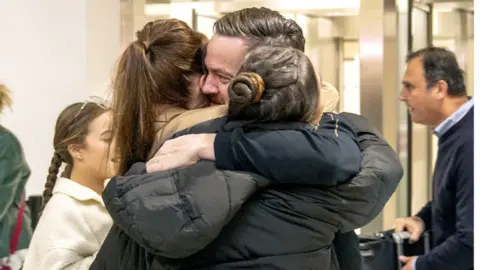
{"type": "Point", "coordinates": [175, 153]}
{"type": "Point", "coordinates": [410, 225]}
{"type": "Point", "coordinates": [160, 162]}
{"type": "Point", "coordinates": [406, 260]}
{"type": "Point", "coordinates": [168, 149]}
{"type": "Point", "coordinates": [163, 164]}
{"type": "Point", "coordinates": [173, 146]}
{"type": "Point", "coordinates": [154, 167]}
{"type": "Point", "coordinates": [171, 161]}
{"type": "Point", "coordinates": [416, 233]}
{"type": "Point", "coordinates": [400, 225]}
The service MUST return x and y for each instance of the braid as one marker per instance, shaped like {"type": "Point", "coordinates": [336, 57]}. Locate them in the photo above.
{"type": "Point", "coordinates": [67, 171]}
{"type": "Point", "coordinates": [51, 178]}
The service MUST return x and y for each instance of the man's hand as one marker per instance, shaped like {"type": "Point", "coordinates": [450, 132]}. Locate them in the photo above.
{"type": "Point", "coordinates": [414, 225]}
{"type": "Point", "coordinates": [182, 151]}
{"type": "Point", "coordinates": [408, 261]}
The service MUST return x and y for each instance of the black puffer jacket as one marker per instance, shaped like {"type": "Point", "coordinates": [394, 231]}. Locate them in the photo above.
{"type": "Point", "coordinates": [165, 216]}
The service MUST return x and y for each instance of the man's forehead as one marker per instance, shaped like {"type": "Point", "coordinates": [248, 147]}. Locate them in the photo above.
{"type": "Point", "coordinates": [219, 41]}
{"type": "Point", "coordinates": [415, 65]}
{"type": "Point", "coordinates": [414, 73]}
{"type": "Point", "coordinates": [225, 53]}
{"type": "Point", "coordinates": [407, 76]}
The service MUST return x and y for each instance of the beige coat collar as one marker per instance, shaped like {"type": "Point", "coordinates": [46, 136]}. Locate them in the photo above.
{"type": "Point", "coordinates": [75, 190]}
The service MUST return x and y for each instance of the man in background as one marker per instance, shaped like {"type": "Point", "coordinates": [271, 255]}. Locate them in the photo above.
{"type": "Point", "coordinates": [434, 91]}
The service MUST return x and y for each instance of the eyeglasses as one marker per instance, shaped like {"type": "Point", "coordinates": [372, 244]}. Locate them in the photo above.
{"type": "Point", "coordinates": [100, 102]}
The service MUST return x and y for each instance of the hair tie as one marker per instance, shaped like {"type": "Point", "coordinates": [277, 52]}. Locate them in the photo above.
{"type": "Point", "coordinates": [257, 81]}
{"type": "Point", "coordinates": [146, 46]}
{"type": "Point", "coordinates": [142, 45]}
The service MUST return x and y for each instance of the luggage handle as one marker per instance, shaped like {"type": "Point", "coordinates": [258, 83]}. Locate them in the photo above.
{"type": "Point", "coordinates": [399, 238]}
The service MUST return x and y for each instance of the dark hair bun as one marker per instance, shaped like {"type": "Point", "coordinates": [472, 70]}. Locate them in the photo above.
{"type": "Point", "coordinates": [246, 88]}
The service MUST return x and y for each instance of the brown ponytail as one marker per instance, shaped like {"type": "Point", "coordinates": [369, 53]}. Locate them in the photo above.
{"type": "Point", "coordinates": [152, 71]}
{"type": "Point", "coordinates": [137, 124]}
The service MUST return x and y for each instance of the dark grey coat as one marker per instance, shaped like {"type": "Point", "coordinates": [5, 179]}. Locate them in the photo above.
{"type": "Point", "coordinates": [203, 218]}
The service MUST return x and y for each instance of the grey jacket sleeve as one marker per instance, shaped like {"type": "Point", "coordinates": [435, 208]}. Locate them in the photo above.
{"type": "Point", "coordinates": [360, 199]}
{"type": "Point", "coordinates": [366, 194]}
{"type": "Point", "coordinates": [177, 213]}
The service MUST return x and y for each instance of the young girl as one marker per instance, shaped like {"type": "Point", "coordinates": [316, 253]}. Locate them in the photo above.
{"type": "Point", "coordinates": [74, 221]}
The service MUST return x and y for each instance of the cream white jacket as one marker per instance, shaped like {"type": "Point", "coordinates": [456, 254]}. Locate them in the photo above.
{"type": "Point", "coordinates": [70, 231]}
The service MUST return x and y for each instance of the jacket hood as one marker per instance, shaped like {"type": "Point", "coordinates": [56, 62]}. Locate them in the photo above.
{"type": "Point", "coordinates": [329, 96]}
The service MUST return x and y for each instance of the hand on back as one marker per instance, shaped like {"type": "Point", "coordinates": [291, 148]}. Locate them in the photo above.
{"type": "Point", "coordinates": [182, 151]}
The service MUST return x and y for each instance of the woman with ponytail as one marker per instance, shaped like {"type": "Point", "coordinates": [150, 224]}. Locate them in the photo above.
{"type": "Point", "coordinates": [177, 219]}
{"type": "Point", "coordinates": [74, 221]}
{"type": "Point", "coordinates": [157, 80]}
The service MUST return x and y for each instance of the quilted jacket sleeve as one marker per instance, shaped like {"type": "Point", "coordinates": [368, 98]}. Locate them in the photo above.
{"type": "Point", "coordinates": [323, 157]}
{"type": "Point", "coordinates": [365, 195]}
{"type": "Point", "coordinates": [177, 213]}
{"type": "Point", "coordinates": [355, 202]}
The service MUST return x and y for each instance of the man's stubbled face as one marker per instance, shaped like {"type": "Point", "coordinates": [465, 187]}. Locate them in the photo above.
{"type": "Point", "coordinates": [223, 59]}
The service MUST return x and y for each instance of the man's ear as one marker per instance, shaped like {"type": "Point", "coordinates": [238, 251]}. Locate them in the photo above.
{"type": "Point", "coordinates": [441, 90]}
{"type": "Point", "coordinates": [76, 151]}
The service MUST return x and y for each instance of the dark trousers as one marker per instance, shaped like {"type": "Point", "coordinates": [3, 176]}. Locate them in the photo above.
{"type": "Point", "coordinates": [346, 248]}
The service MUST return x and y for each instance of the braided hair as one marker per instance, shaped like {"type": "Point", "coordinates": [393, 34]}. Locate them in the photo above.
{"type": "Point", "coordinates": [55, 165]}
{"type": "Point", "coordinates": [71, 128]}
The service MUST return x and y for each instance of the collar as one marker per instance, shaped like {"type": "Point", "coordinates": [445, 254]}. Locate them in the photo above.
{"type": "Point", "coordinates": [453, 119]}
{"type": "Point", "coordinates": [75, 190]}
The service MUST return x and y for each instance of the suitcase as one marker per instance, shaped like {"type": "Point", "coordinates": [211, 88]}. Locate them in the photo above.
{"type": "Point", "coordinates": [35, 205]}
{"type": "Point", "coordinates": [381, 250]}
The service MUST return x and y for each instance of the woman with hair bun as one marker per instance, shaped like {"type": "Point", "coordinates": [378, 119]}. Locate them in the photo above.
{"type": "Point", "coordinates": [194, 217]}
{"type": "Point", "coordinates": [276, 88]}
{"type": "Point", "coordinates": [275, 84]}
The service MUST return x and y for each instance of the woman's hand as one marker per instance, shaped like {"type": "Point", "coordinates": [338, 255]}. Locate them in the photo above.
{"type": "Point", "coordinates": [182, 151]}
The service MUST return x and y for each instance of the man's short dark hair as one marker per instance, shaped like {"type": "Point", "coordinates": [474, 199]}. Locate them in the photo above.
{"type": "Point", "coordinates": [441, 64]}
{"type": "Point", "coordinates": [261, 27]}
